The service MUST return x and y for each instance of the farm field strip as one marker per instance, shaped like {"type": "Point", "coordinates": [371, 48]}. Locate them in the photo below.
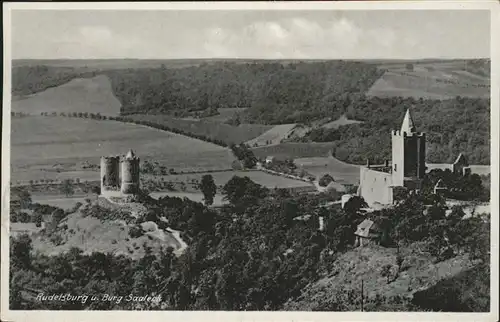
{"type": "Point", "coordinates": [340, 171]}
{"type": "Point", "coordinates": [47, 141]}
{"type": "Point", "coordinates": [210, 129]}
{"type": "Point", "coordinates": [91, 95]}
{"type": "Point", "coordinates": [343, 120]}
{"type": "Point", "coordinates": [435, 80]}
{"type": "Point", "coordinates": [294, 150]}
{"type": "Point", "coordinates": [273, 135]}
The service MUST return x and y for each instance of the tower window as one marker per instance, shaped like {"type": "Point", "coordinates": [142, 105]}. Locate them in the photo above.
{"type": "Point", "coordinates": [395, 167]}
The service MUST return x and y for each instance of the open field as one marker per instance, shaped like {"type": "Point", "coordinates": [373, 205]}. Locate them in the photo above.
{"type": "Point", "coordinates": [292, 150]}
{"type": "Point", "coordinates": [340, 171]}
{"type": "Point", "coordinates": [222, 177]}
{"type": "Point", "coordinates": [430, 82]}
{"type": "Point", "coordinates": [273, 136]}
{"type": "Point", "coordinates": [211, 129]}
{"type": "Point", "coordinates": [60, 200]}
{"type": "Point", "coordinates": [343, 120]}
{"type": "Point", "coordinates": [91, 95]}
{"type": "Point", "coordinates": [39, 143]}
{"type": "Point", "coordinates": [23, 176]}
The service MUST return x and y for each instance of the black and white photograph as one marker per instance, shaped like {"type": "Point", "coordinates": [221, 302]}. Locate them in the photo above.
{"type": "Point", "coordinates": [320, 158]}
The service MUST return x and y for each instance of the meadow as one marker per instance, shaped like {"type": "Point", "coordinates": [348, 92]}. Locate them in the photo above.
{"type": "Point", "coordinates": [39, 143]}
{"type": "Point", "coordinates": [343, 120]}
{"type": "Point", "coordinates": [438, 80]}
{"type": "Point", "coordinates": [222, 177]}
{"type": "Point", "coordinates": [91, 95]}
{"type": "Point", "coordinates": [273, 136]}
{"type": "Point", "coordinates": [211, 129]}
{"type": "Point", "coordinates": [293, 150]}
{"type": "Point", "coordinates": [340, 171]}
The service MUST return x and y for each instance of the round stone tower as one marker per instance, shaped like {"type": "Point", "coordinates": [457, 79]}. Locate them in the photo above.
{"type": "Point", "coordinates": [130, 173]}
{"type": "Point", "coordinates": [110, 173]}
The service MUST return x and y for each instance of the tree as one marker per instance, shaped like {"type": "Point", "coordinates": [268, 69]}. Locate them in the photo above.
{"type": "Point", "coordinates": [96, 190]}
{"type": "Point", "coordinates": [208, 188]}
{"type": "Point", "coordinates": [67, 188]}
{"type": "Point", "coordinates": [37, 219]}
{"type": "Point", "coordinates": [325, 180]}
{"type": "Point", "coordinates": [24, 199]}
{"type": "Point", "coordinates": [243, 190]}
{"type": "Point", "coordinates": [20, 251]}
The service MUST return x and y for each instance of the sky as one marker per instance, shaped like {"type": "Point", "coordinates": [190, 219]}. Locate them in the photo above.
{"type": "Point", "coordinates": [325, 34]}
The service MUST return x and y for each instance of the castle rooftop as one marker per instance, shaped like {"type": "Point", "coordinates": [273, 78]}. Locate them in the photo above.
{"type": "Point", "coordinates": [130, 155]}
{"type": "Point", "coordinates": [408, 126]}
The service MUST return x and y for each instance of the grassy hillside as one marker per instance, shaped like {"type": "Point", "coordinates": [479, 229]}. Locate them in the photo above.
{"type": "Point", "coordinates": [90, 95]}
{"type": "Point", "coordinates": [39, 143]}
{"type": "Point", "coordinates": [93, 234]}
{"type": "Point", "coordinates": [341, 289]}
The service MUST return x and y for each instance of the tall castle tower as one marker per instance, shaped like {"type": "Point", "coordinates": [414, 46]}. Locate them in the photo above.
{"type": "Point", "coordinates": [110, 173]}
{"type": "Point", "coordinates": [130, 173]}
{"type": "Point", "coordinates": [408, 153]}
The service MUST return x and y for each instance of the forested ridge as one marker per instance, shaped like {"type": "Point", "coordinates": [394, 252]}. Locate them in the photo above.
{"type": "Point", "coordinates": [459, 125]}
{"type": "Point", "coordinates": [27, 80]}
{"type": "Point", "coordinates": [263, 87]}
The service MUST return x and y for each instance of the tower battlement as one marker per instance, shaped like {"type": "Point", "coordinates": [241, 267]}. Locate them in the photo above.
{"type": "Point", "coordinates": [404, 133]}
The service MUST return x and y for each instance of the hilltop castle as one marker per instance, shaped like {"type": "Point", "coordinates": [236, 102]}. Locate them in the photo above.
{"type": "Point", "coordinates": [120, 175]}
{"type": "Point", "coordinates": [407, 169]}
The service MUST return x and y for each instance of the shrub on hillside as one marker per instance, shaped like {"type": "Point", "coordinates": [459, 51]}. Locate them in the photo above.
{"type": "Point", "coordinates": [135, 231]}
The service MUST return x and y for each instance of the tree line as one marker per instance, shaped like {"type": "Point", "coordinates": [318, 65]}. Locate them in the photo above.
{"type": "Point", "coordinates": [28, 80]}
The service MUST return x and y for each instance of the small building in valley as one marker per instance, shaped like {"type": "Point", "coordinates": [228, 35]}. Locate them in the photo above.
{"type": "Point", "coordinates": [367, 232]}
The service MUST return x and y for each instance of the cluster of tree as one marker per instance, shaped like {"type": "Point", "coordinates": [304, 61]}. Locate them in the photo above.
{"type": "Point", "coordinates": [18, 114]}
{"type": "Point", "coordinates": [28, 80]}
{"type": "Point", "coordinates": [85, 115]}
{"type": "Point", "coordinates": [469, 132]}
{"type": "Point", "coordinates": [286, 166]}
{"type": "Point", "coordinates": [24, 217]}
{"type": "Point", "coordinates": [243, 153]}
{"type": "Point", "coordinates": [423, 218]}
{"type": "Point", "coordinates": [459, 186]}
{"type": "Point", "coordinates": [253, 254]}
{"type": "Point", "coordinates": [155, 168]}
{"type": "Point", "coordinates": [274, 88]}
{"type": "Point", "coordinates": [325, 180]}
